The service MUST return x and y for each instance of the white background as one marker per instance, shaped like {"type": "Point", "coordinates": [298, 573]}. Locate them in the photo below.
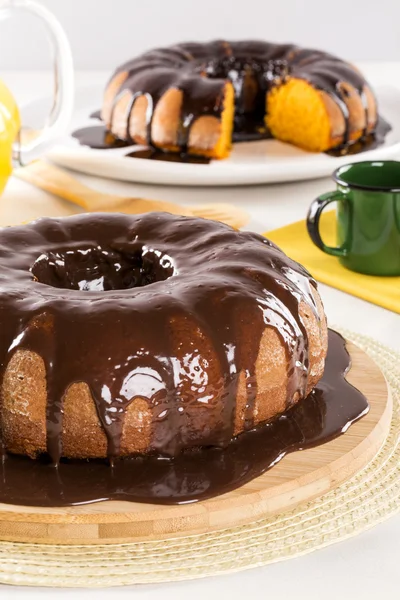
{"type": "Point", "coordinates": [104, 32]}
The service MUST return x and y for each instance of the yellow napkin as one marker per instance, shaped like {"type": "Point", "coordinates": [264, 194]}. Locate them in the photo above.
{"type": "Point", "coordinates": [295, 241]}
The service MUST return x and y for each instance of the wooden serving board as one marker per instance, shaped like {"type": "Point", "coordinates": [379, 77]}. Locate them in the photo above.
{"type": "Point", "coordinates": [299, 477]}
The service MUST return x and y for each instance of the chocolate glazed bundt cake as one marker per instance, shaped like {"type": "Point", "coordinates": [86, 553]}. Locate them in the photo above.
{"type": "Point", "coordinates": [156, 333]}
{"type": "Point", "coordinates": [194, 97]}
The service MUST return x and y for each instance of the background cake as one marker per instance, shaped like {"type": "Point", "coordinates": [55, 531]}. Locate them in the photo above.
{"type": "Point", "coordinates": [195, 97]}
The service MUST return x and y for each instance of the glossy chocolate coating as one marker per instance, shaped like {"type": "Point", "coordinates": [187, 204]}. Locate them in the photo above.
{"type": "Point", "coordinates": [98, 297]}
{"type": "Point", "coordinates": [197, 474]}
{"type": "Point", "coordinates": [97, 137]}
{"type": "Point", "coordinates": [154, 154]}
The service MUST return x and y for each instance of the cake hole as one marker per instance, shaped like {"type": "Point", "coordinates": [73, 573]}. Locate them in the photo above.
{"type": "Point", "coordinates": [99, 269]}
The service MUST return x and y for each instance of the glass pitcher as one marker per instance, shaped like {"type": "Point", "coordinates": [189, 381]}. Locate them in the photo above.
{"type": "Point", "coordinates": [12, 151]}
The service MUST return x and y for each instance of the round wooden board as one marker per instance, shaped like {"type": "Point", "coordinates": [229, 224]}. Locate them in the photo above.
{"type": "Point", "coordinates": [299, 477]}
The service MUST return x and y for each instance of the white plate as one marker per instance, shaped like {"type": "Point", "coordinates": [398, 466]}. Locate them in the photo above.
{"type": "Point", "coordinates": [265, 161]}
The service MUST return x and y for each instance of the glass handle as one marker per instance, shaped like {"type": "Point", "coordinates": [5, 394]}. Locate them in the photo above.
{"type": "Point", "coordinates": [63, 101]}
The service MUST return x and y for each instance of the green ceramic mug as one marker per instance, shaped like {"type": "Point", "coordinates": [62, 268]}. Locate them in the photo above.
{"type": "Point", "coordinates": [368, 217]}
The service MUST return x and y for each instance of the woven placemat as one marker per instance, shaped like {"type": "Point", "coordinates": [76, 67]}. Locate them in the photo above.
{"type": "Point", "coordinates": [366, 499]}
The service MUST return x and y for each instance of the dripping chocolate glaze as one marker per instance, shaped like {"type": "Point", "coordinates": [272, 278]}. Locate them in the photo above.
{"type": "Point", "coordinates": [197, 474]}
{"type": "Point", "coordinates": [154, 154]}
{"type": "Point", "coordinates": [368, 142]}
{"type": "Point", "coordinates": [200, 71]}
{"type": "Point", "coordinates": [102, 298]}
{"type": "Point", "coordinates": [97, 137]}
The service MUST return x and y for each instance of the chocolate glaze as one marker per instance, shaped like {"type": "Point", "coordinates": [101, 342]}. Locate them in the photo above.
{"type": "Point", "coordinates": [200, 70]}
{"type": "Point", "coordinates": [368, 141]}
{"type": "Point", "coordinates": [154, 154]}
{"type": "Point", "coordinates": [123, 284]}
{"type": "Point", "coordinates": [97, 136]}
{"type": "Point", "coordinates": [201, 473]}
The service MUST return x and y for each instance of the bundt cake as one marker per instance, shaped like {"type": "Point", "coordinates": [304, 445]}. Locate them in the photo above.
{"type": "Point", "coordinates": [127, 334]}
{"type": "Point", "coordinates": [194, 97]}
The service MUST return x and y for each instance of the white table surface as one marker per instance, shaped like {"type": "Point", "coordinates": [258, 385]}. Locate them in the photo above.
{"type": "Point", "coordinates": [366, 566]}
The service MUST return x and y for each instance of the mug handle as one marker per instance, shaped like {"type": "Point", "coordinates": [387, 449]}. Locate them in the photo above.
{"type": "Point", "coordinates": [63, 102]}
{"type": "Point", "coordinates": [313, 218]}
